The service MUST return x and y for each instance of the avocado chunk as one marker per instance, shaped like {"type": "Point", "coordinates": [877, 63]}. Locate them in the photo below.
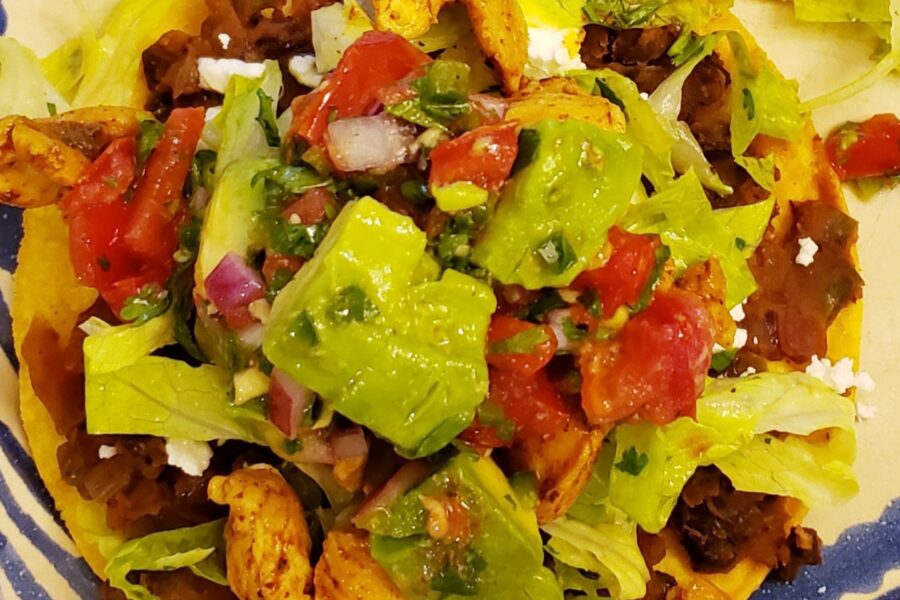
{"type": "Point", "coordinates": [553, 215]}
{"type": "Point", "coordinates": [367, 326]}
{"type": "Point", "coordinates": [486, 544]}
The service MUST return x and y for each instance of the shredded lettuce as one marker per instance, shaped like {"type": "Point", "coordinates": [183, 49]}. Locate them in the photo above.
{"type": "Point", "coordinates": [239, 130]}
{"type": "Point", "coordinates": [628, 14]}
{"type": "Point", "coordinates": [681, 215]}
{"type": "Point", "coordinates": [23, 88]}
{"type": "Point", "coordinates": [200, 549]}
{"type": "Point", "coordinates": [871, 11]}
{"type": "Point", "coordinates": [762, 100]}
{"type": "Point", "coordinates": [334, 29]}
{"type": "Point", "coordinates": [105, 69]}
{"type": "Point", "coordinates": [129, 391]}
{"type": "Point", "coordinates": [607, 549]}
{"type": "Point", "coordinates": [666, 101]}
{"type": "Point", "coordinates": [599, 538]}
{"type": "Point", "coordinates": [734, 417]}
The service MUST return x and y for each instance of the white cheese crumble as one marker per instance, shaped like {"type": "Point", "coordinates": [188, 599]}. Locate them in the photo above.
{"type": "Point", "coordinates": [212, 112]}
{"type": "Point", "coordinates": [225, 40]}
{"type": "Point", "coordinates": [840, 376]}
{"type": "Point", "coordinates": [807, 253]}
{"type": "Point", "coordinates": [864, 412]}
{"type": "Point", "coordinates": [737, 313]}
{"type": "Point", "coordinates": [303, 68]}
{"type": "Point", "coordinates": [740, 338]}
{"type": "Point", "coordinates": [189, 456]}
{"type": "Point", "coordinates": [105, 451]}
{"type": "Point", "coordinates": [549, 54]}
{"type": "Point", "coordinates": [216, 72]}
{"type": "Point", "coordinates": [750, 371]}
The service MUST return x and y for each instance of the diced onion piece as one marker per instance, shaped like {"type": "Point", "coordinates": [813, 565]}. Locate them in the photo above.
{"type": "Point", "coordinates": [410, 475]}
{"type": "Point", "coordinates": [555, 320]}
{"type": "Point", "coordinates": [233, 283]}
{"type": "Point", "coordinates": [288, 400]}
{"type": "Point", "coordinates": [362, 143]}
{"type": "Point", "coordinates": [251, 337]}
{"type": "Point", "coordinates": [350, 443]}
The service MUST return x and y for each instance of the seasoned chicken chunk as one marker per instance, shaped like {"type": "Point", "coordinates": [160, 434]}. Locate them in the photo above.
{"type": "Point", "coordinates": [562, 463]}
{"type": "Point", "coordinates": [267, 540]}
{"type": "Point", "coordinates": [347, 571]}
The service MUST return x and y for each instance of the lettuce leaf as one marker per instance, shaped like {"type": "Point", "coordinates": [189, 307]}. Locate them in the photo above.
{"type": "Point", "coordinates": [666, 101]}
{"type": "Point", "coordinates": [733, 418]}
{"type": "Point", "coordinates": [23, 88]}
{"type": "Point", "coordinates": [866, 9]}
{"type": "Point", "coordinates": [334, 29]}
{"type": "Point", "coordinates": [105, 69]}
{"type": "Point", "coordinates": [200, 549]}
{"type": "Point", "coordinates": [628, 14]}
{"type": "Point", "coordinates": [236, 132]}
{"type": "Point", "coordinates": [682, 216]}
{"type": "Point", "coordinates": [762, 100]}
{"type": "Point", "coordinates": [128, 391]}
{"type": "Point", "coordinates": [608, 549]}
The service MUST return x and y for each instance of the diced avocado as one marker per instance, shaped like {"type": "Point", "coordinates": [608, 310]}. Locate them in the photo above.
{"type": "Point", "coordinates": [496, 554]}
{"type": "Point", "coordinates": [364, 325]}
{"type": "Point", "coordinates": [553, 215]}
{"type": "Point", "coordinates": [232, 218]}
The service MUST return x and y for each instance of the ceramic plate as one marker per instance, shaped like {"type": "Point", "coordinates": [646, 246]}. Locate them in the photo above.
{"type": "Point", "coordinates": [862, 558]}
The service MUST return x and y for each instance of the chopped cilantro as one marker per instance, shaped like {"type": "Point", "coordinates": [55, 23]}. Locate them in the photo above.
{"type": "Point", "coordinates": [352, 305]}
{"type": "Point", "coordinates": [305, 330]}
{"type": "Point", "coordinates": [523, 342]}
{"type": "Point", "coordinates": [151, 301]}
{"type": "Point", "coordinates": [632, 462]}
{"type": "Point", "coordinates": [572, 331]}
{"type": "Point", "coordinates": [292, 446]}
{"type": "Point", "coordinates": [149, 133]}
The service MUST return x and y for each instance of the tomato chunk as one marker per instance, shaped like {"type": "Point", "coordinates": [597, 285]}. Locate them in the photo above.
{"type": "Point", "coordinates": [519, 346]}
{"type": "Point", "coordinates": [625, 275]}
{"type": "Point", "coordinates": [483, 156]}
{"type": "Point", "coordinates": [151, 233]}
{"type": "Point", "coordinates": [374, 61]}
{"type": "Point", "coordinates": [868, 149]}
{"type": "Point", "coordinates": [310, 208]}
{"type": "Point", "coordinates": [655, 367]}
{"type": "Point", "coordinates": [531, 402]}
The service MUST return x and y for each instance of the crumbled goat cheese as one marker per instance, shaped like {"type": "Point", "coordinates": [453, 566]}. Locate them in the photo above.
{"type": "Point", "coordinates": [807, 253]}
{"type": "Point", "coordinates": [740, 338]}
{"type": "Point", "coordinates": [840, 376]}
{"type": "Point", "coordinates": [225, 40]}
{"type": "Point", "coordinates": [864, 412]}
{"type": "Point", "coordinates": [105, 451]}
{"type": "Point", "coordinates": [189, 456]}
{"type": "Point", "coordinates": [216, 72]}
{"type": "Point", "coordinates": [737, 313]}
{"type": "Point", "coordinates": [303, 68]}
{"type": "Point", "coordinates": [548, 54]}
{"type": "Point", "coordinates": [750, 371]}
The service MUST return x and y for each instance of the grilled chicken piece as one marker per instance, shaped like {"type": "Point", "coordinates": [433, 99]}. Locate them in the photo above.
{"type": "Point", "coordinates": [562, 463]}
{"type": "Point", "coordinates": [267, 540]}
{"type": "Point", "coordinates": [347, 571]}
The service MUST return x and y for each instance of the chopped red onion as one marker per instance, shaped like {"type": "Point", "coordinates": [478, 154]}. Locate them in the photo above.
{"type": "Point", "coordinates": [362, 143]}
{"type": "Point", "coordinates": [233, 283]}
{"type": "Point", "coordinates": [251, 337]}
{"type": "Point", "coordinates": [288, 400]}
{"type": "Point", "coordinates": [488, 105]}
{"type": "Point", "coordinates": [409, 476]}
{"type": "Point", "coordinates": [350, 443]}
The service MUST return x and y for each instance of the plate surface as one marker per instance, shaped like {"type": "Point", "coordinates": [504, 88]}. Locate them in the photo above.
{"type": "Point", "coordinates": [862, 560]}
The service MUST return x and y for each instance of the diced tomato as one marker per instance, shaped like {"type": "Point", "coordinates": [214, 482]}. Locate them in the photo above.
{"type": "Point", "coordinates": [528, 363]}
{"type": "Point", "coordinates": [239, 318]}
{"type": "Point", "coordinates": [655, 367]}
{"type": "Point", "coordinates": [151, 233]}
{"type": "Point", "coordinates": [531, 402]}
{"type": "Point", "coordinates": [280, 262]}
{"type": "Point", "coordinates": [480, 435]}
{"type": "Point", "coordinates": [625, 275]}
{"type": "Point", "coordinates": [868, 149]}
{"type": "Point", "coordinates": [310, 207]}
{"type": "Point", "coordinates": [374, 61]}
{"type": "Point", "coordinates": [483, 156]}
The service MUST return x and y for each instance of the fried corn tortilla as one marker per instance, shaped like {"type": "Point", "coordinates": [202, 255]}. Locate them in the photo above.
{"type": "Point", "coordinates": [48, 291]}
